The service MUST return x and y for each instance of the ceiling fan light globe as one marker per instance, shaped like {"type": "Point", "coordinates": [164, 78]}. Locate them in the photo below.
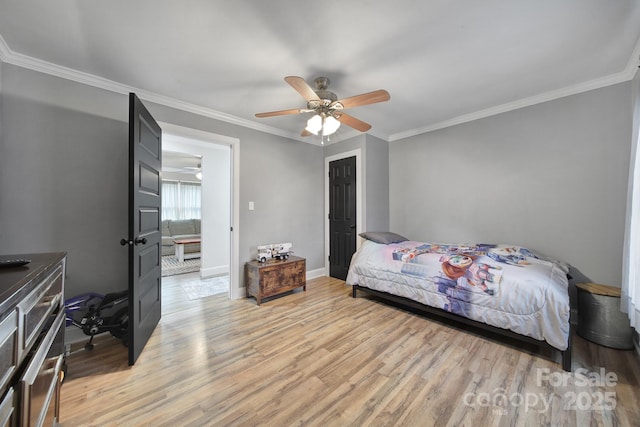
{"type": "Point", "coordinates": [314, 124]}
{"type": "Point", "coordinates": [331, 125]}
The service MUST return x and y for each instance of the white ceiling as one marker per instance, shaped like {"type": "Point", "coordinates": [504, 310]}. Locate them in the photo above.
{"type": "Point", "coordinates": [442, 61]}
{"type": "Point", "coordinates": [181, 163]}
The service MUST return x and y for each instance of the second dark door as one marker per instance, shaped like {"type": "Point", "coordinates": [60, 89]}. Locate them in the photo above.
{"type": "Point", "coordinates": [342, 215]}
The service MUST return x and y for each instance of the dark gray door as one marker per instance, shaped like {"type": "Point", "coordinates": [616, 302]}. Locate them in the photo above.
{"type": "Point", "coordinates": [145, 162]}
{"type": "Point", "coordinates": [342, 215]}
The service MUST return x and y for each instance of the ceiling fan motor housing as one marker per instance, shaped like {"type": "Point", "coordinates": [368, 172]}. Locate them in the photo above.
{"type": "Point", "coordinates": [326, 96]}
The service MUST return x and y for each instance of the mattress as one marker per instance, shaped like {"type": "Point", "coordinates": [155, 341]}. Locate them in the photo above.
{"type": "Point", "coordinates": [506, 286]}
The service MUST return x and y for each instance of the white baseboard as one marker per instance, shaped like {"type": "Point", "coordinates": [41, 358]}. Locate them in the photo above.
{"type": "Point", "coordinates": [313, 274]}
{"type": "Point", "coordinates": [239, 293]}
{"type": "Point", "coordinates": [214, 271]}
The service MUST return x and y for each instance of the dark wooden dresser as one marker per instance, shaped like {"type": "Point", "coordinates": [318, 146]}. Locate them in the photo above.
{"type": "Point", "coordinates": [32, 322]}
{"type": "Point", "coordinates": [266, 279]}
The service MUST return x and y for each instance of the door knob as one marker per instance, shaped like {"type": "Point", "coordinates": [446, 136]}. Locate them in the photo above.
{"type": "Point", "coordinates": [136, 242]}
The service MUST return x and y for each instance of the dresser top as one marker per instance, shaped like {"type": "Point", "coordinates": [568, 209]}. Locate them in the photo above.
{"type": "Point", "coordinates": [13, 279]}
{"type": "Point", "coordinates": [273, 261]}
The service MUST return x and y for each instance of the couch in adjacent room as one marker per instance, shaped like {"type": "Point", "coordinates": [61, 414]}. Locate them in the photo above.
{"type": "Point", "coordinates": [180, 229]}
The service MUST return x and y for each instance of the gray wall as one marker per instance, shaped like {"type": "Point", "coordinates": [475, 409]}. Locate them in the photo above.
{"type": "Point", "coordinates": [1, 134]}
{"type": "Point", "coordinates": [64, 176]}
{"type": "Point", "coordinates": [64, 147]}
{"type": "Point", "coordinates": [551, 177]}
{"type": "Point", "coordinates": [357, 142]}
{"type": "Point", "coordinates": [376, 160]}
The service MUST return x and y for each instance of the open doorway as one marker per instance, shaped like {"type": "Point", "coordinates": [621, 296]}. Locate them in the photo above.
{"type": "Point", "coordinates": [212, 158]}
{"type": "Point", "coordinates": [181, 212]}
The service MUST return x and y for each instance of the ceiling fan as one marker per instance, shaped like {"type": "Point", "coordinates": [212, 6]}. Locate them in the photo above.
{"type": "Point", "coordinates": [327, 107]}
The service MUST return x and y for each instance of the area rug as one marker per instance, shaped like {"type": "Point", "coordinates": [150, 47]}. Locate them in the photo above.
{"type": "Point", "coordinates": [201, 288]}
{"type": "Point", "coordinates": [171, 266]}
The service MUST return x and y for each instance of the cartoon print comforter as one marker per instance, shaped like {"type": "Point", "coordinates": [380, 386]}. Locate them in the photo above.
{"type": "Point", "coordinates": [505, 286]}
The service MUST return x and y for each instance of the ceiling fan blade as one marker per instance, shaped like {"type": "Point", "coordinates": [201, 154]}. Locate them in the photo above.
{"type": "Point", "coordinates": [305, 132]}
{"type": "Point", "coordinates": [352, 122]}
{"type": "Point", "coordinates": [302, 88]}
{"type": "Point", "coordinates": [365, 99]}
{"type": "Point", "coordinates": [283, 112]}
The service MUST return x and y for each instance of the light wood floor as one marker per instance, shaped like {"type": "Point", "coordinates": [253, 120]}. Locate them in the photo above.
{"type": "Point", "coordinates": [321, 358]}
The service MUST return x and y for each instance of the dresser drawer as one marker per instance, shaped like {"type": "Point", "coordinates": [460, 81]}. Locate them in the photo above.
{"type": "Point", "coordinates": [40, 381]}
{"type": "Point", "coordinates": [8, 413]}
{"type": "Point", "coordinates": [32, 320]}
{"type": "Point", "coordinates": [8, 347]}
{"type": "Point", "coordinates": [35, 309]}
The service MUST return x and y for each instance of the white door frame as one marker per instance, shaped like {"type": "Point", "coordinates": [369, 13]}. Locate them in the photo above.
{"type": "Point", "coordinates": [204, 138]}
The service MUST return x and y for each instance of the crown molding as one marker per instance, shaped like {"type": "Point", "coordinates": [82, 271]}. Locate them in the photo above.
{"type": "Point", "coordinates": [526, 102]}
{"type": "Point", "coordinates": [24, 61]}
{"type": "Point", "coordinates": [625, 75]}
{"type": "Point", "coordinates": [10, 57]}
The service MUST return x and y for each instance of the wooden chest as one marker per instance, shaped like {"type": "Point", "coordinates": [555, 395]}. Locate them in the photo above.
{"type": "Point", "coordinates": [274, 277]}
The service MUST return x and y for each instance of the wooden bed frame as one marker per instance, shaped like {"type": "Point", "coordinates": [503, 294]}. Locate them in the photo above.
{"type": "Point", "coordinates": [566, 354]}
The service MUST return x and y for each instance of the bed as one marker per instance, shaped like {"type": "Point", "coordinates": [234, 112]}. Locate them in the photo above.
{"type": "Point", "coordinates": [505, 289]}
